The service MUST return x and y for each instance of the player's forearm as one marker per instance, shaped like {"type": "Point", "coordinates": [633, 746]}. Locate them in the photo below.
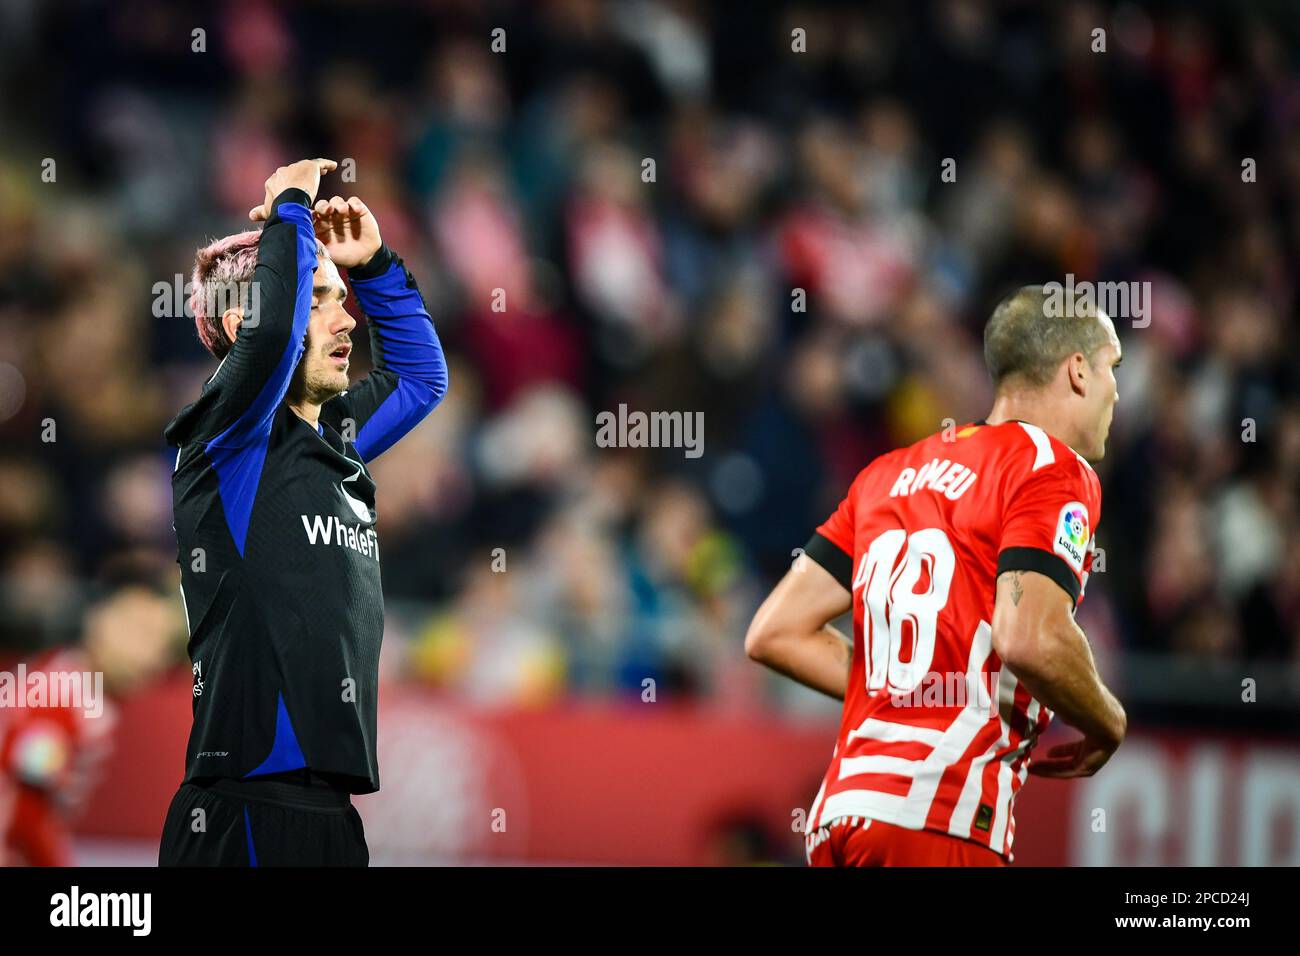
{"type": "Point", "coordinates": [818, 659]}
{"type": "Point", "coordinates": [1062, 675]}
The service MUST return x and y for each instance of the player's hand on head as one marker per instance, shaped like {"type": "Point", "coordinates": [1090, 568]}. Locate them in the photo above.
{"type": "Point", "coordinates": [347, 229]}
{"type": "Point", "coordinates": [304, 174]}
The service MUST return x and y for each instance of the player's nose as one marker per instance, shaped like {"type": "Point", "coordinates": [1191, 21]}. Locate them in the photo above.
{"type": "Point", "coordinates": [343, 322]}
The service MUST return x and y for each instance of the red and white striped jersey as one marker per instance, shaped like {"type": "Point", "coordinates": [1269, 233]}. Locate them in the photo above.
{"type": "Point", "coordinates": [936, 734]}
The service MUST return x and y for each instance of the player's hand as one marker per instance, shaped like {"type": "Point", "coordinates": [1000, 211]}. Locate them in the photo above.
{"type": "Point", "coordinates": [347, 229]}
{"type": "Point", "coordinates": [304, 174]}
{"type": "Point", "coordinates": [1079, 758]}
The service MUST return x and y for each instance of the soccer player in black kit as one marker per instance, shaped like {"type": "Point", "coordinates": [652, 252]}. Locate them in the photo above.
{"type": "Point", "coordinates": [275, 526]}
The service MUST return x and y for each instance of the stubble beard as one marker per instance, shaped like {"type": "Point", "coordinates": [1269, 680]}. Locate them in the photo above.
{"type": "Point", "coordinates": [318, 384]}
{"type": "Point", "coordinates": [327, 383]}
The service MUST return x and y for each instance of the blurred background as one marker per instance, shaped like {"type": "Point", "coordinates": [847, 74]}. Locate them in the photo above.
{"type": "Point", "coordinates": [797, 270]}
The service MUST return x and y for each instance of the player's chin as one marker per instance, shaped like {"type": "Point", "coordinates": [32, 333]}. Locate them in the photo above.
{"type": "Point", "coordinates": [330, 383]}
{"type": "Point", "coordinates": [1098, 450]}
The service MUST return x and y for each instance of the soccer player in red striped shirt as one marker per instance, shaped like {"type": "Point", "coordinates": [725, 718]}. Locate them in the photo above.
{"type": "Point", "coordinates": [963, 558]}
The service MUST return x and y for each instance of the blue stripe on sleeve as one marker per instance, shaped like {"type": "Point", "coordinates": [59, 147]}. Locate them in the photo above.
{"type": "Point", "coordinates": [410, 344]}
{"type": "Point", "coordinates": [239, 452]}
{"type": "Point", "coordinates": [256, 420]}
{"type": "Point", "coordinates": [400, 412]}
{"type": "Point", "coordinates": [410, 350]}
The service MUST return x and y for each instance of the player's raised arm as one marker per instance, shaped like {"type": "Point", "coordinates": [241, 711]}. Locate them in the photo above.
{"type": "Point", "coordinates": [410, 371]}
{"type": "Point", "coordinates": [260, 323]}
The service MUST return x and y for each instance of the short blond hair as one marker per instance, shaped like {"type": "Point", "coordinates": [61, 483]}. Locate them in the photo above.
{"type": "Point", "coordinates": [1026, 341]}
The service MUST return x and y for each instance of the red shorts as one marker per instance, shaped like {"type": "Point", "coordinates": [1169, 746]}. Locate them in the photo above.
{"type": "Point", "coordinates": [857, 841]}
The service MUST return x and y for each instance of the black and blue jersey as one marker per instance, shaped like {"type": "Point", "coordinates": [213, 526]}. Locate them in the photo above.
{"type": "Point", "coordinates": [275, 522]}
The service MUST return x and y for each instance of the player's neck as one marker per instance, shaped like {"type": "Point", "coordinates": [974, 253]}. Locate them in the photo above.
{"type": "Point", "coordinates": [1032, 409]}
{"type": "Point", "coordinates": [307, 411]}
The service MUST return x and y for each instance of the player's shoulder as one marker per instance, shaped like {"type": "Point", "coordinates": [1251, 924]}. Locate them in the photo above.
{"type": "Point", "coordinates": [1007, 454]}
{"type": "Point", "coordinates": [1029, 449]}
{"type": "Point", "coordinates": [1033, 458]}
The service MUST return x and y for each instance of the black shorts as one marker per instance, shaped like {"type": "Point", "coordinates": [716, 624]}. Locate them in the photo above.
{"type": "Point", "coordinates": [299, 821]}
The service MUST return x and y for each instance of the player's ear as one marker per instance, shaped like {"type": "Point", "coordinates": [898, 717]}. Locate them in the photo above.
{"type": "Point", "coordinates": [231, 319]}
{"type": "Point", "coordinates": [1077, 370]}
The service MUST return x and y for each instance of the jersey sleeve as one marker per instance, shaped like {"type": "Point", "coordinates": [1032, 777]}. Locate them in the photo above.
{"type": "Point", "coordinates": [240, 399]}
{"type": "Point", "coordinates": [1049, 525]}
{"type": "Point", "coordinates": [831, 545]}
{"type": "Point", "coordinates": [410, 371]}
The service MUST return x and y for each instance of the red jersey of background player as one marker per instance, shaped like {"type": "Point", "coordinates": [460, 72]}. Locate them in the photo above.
{"type": "Point", "coordinates": [48, 760]}
{"type": "Point", "coordinates": [936, 734]}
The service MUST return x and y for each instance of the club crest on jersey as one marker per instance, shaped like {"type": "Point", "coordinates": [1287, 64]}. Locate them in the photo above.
{"type": "Point", "coordinates": [359, 507]}
{"type": "Point", "coordinates": [1072, 534]}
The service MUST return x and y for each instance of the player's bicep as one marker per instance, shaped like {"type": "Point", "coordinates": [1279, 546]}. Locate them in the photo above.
{"type": "Point", "coordinates": [1027, 601]}
{"type": "Point", "coordinates": [1044, 565]}
{"type": "Point", "coordinates": [805, 599]}
{"type": "Point", "coordinates": [1028, 607]}
{"type": "Point", "coordinates": [833, 558]}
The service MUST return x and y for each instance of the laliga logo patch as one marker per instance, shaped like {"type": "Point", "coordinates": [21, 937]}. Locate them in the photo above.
{"type": "Point", "coordinates": [1072, 534]}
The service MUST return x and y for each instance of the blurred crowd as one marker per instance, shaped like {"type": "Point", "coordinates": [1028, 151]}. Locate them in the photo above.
{"type": "Point", "coordinates": [792, 263]}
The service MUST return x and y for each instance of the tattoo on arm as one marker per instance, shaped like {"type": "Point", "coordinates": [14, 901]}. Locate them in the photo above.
{"type": "Point", "coordinates": [1017, 590]}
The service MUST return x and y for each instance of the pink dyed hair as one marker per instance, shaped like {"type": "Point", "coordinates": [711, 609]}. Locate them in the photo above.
{"type": "Point", "coordinates": [219, 267]}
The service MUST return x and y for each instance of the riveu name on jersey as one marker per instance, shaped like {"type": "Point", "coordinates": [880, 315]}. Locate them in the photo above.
{"type": "Point", "coordinates": [950, 478]}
